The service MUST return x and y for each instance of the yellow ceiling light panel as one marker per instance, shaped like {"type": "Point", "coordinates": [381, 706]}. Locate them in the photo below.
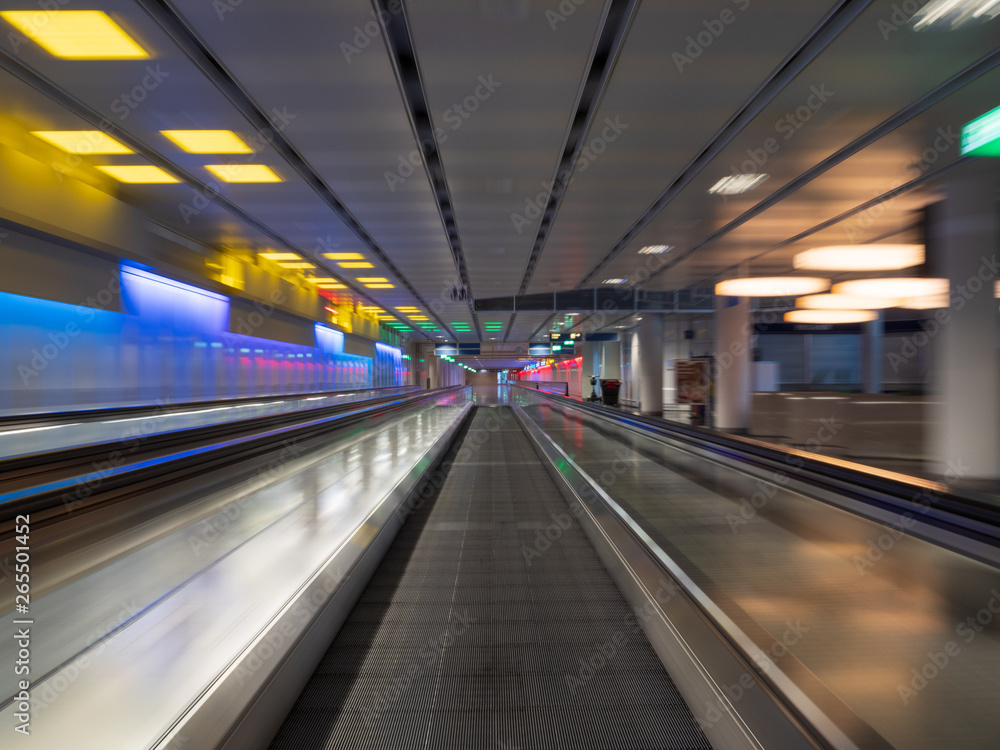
{"type": "Point", "coordinates": [322, 280]}
{"type": "Point", "coordinates": [344, 256]}
{"type": "Point", "coordinates": [280, 256]}
{"type": "Point", "coordinates": [76, 34]}
{"type": "Point", "coordinates": [137, 174]}
{"type": "Point", "coordinates": [331, 286]}
{"type": "Point", "coordinates": [380, 286]}
{"type": "Point", "coordinates": [301, 264]}
{"type": "Point", "coordinates": [208, 141]}
{"type": "Point", "coordinates": [372, 279]}
{"type": "Point", "coordinates": [243, 172]}
{"type": "Point", "coordinates": [82, 141]}
{"type": "Point", "coordinates": [356, 264]}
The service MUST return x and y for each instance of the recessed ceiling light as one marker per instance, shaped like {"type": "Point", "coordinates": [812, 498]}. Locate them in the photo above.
{"type": "Point", "coordinates": [860, 258]}
{"type": "Point", "coordinates": [613, 281]}
{"type": "Point", "coordinates": [372, 279]}
{"type": "Point", "coordinates": [76, 34]}
{"type": "Point", "coordinates": [771, 286]}
{"type": "Point", "coordinates": [735, 184]}
{"type": "Point", "coordinates": [954, 14]}
{"type": "Point", "coordinates": [823, 317]}
{"type": "Point", "coordinates": [655, 249]}
{"type": "Point", "coordinates": [243, 172]}
{"type": "Point", "coordinates": [138, 174]}
{"type": "Point", "coordinates": [380, 286]}
{"type": "Point", "coordinates": [297, 264]}
{"type": "Point", "coordinates": [344, 256]}
{"type": "Point", "coordinates": [83, 141]}
{"type": "Point", "coordinates": [208, 141]}
{"type": "Point", "coordinates": [356, 264]}
{"type": "Point", "coordinates": [280, 256]}
{"type": "Point", "coordinates": [322, 280]}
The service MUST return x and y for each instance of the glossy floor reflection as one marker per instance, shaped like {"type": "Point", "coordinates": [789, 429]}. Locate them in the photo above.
{"type": "Point", "coordinates": [870, 611]}
{"type": "Point", "coordinates": [128, 631]}
{"type": "Point", "coordinates": [42, 438]}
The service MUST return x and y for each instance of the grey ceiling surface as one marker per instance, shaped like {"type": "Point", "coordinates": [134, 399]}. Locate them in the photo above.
{"type": "Point", "coordinates": [852, 100]}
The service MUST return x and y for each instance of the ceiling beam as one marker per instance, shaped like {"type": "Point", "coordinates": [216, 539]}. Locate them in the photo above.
{"type": "Point", "coordinates": [399, 42]}
{"type": "Point", "coordinates": [818, 39]}
{"type": "Point", "coordinates": [198, 51]}
{"type": "Point", "coordinates": [618, 15]}
{"type": "Point", "coordinates": [982, 66]}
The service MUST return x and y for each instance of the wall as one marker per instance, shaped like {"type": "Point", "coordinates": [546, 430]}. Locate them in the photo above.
{"type": "Point", "coordinates": [563, 371]}
{"type": "Point", "coordinates": [170, 342]}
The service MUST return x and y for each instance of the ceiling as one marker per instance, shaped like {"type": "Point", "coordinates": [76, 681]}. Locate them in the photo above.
{"type": "Point", "coordinates": [640, 107]}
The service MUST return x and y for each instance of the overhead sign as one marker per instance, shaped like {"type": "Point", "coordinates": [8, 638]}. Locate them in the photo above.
{"type": "Point", "coordinates": [454, 350]}
{"type": "Point", "coordinates": [981, 137]}
{"type": "Point", "coordinates": [539, 349]}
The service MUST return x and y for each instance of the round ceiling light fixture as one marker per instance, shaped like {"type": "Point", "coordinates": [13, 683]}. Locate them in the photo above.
{"type": "Point", "coordinates": [844, 302]}
{"type": "Point", "coordinates": [929, 302]}
{"type": "Point", "coordinates": [772, 286]}
{"type": "Point", "coordinates": [894, 288]}
{"type": "Point", "coordinates": [860, 258]}
{"type": "Point", "coordinates": [824, 317]}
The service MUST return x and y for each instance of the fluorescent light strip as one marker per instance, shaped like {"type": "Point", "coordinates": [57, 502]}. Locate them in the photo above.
{"type": "Point", "coordinates": [76, 34]}
{"type": "Point", "coordinates": [243, 172]}
{"type": "Point", "coordinates": [138, 174]}
{"type": "Point", "coordinates": [208, 141]}
{"type": "Point", "coordinates": [82, 141]}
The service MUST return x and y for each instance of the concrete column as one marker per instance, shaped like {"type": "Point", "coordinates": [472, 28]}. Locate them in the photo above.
{"type": "Point", "coordinates": [650, 365]}
{"type": "Point", "coordinates": [872, 356]}
{"type": "Point", "coordinates": [611, 360]}
{"type": "Point", "coordinates": [733, 362]}
{"type": "Point", "coordinates": [432, 370]}
{"type": "Point", "coordinates": [964, 430]}
{"type": "Point", "coordinates": [589, 366]}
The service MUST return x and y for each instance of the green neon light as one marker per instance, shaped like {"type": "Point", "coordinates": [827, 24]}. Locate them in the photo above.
{"type": "Point", "coordinates": [981, 137]}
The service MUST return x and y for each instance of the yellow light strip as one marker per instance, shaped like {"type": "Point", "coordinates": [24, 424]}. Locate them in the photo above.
{"type": "Point", "coordinates": [356, 265]}
{"type": "Point", "coordinates": [76, 34]}
{"type": "Point", "coordinates": [138, 174]}
{"type": "Point", "coordinates": [380, 286]}
{"type": "Point", "coordinates": [83, 141]}
{"type": "Point", "coordinates": [372, 279]}
{"type": "Point", "coordinates": [344, 256]}
{"type": "Point", "coordinates": [243, 172]}
{"type": "Point", "coordinates": [280, 256]}
{"type": "Point", "coordinates": [208, 141]}
{"type": "Point", "coordinates": [297, 265]}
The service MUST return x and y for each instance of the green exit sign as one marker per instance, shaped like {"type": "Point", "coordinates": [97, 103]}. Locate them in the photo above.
{"type": "Point", "coordinates": [981, 137]}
